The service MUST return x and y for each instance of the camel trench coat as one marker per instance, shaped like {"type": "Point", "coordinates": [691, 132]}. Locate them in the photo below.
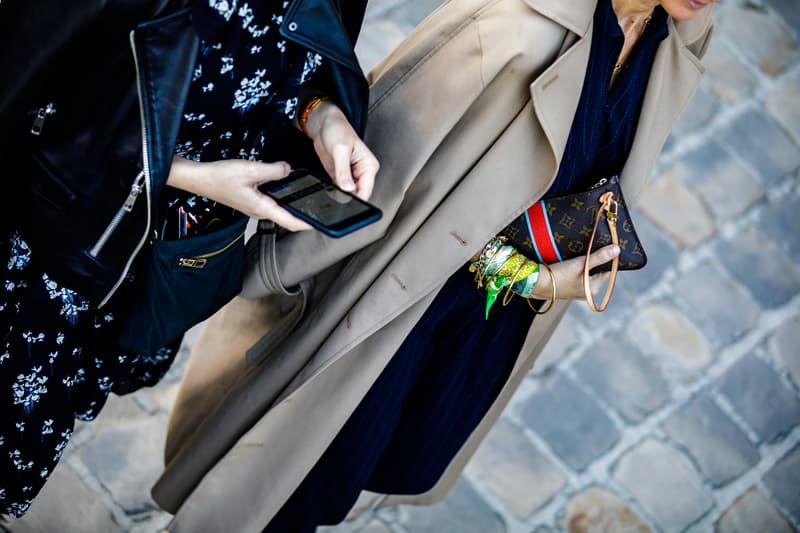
{"type": "Point", "coordinates": [469, 118]}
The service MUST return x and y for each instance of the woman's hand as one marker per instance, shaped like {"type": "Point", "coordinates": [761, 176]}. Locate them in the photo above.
{"type": "Point", "coordinates": [569, 276]}
{"type": "Point", "coordinates": [343, 154]}
{"type": "Point", "coordinates": [234, 182]}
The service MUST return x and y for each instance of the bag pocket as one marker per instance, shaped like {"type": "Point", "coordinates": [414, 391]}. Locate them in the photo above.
{"type": "Point", "coordinates": [183, 282]}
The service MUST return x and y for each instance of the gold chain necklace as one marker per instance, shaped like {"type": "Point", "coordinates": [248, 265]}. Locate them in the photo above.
{"type": "Point", "coordinates": [621, 64]}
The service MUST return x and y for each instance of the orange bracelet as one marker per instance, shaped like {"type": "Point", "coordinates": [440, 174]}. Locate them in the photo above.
{"type": "Point", "coordinates": [313, 103]}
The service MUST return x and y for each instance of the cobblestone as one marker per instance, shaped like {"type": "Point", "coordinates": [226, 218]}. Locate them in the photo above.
{"type": "Point", "coordinates": [760, 36]}
{"type": "Point", "coordinates": [701, 109]}
{"type": "Point", "coordinates": [111, 457]}
{"type": "Point", "coordinates": [728, 79]}
{"type": "Point", "coordinates": [781, 482]}
{"type": "Point", "coordinates": [762, 144]}
{"type": "Point", "coordinates": [573, 425]}
{"type": "Point", "coordinates": [661, 253]}
{"type": "Point", "coordinates": [788, 10]}
{"type": "Point", "coordinates": [750, 513]}
{"type": "Point", "coordinates": [753, 388]}
{"type": "Point", "coordinates": [784, 345]}
{"type": "Point", "coordinates": [664, 483]}
{"type": "Point", "coordinates": [515, 471]}
{"type": "Point", "coordinates": [782, 223]}
{"type": "Point", "coordinates": [760, 264]}
{"type": "Point", "coordinates": [783, 103]}
{"type": "Point", "coordinates": [726, 187]}
{"type": "Point", "coordinates": [718, 446]}
{"type": "Point", "coordinates": [628, 382]}
{"type": "Point", "coordinates": [464, 511]}
{"type": "Point", "coordinates": [661, 330]}
{"type": "Point", "coordinates": [597, 510]}
{"type": "Point", "coordinates": [563, 340]}
{"type": "Point", "coordinates": [677, 212]}
{"type": "Point", "coordinates": [66, 505]}
{"type": "Point", "coordinates": [718, 306]}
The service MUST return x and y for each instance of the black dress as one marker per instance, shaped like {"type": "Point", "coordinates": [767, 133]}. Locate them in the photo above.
{"type": "Point", "coordinates": [451, 367]}
{"type": "Point", "coordinates": [58, 355]}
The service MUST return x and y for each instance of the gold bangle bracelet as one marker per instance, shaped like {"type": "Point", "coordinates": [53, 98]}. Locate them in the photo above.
{"type": "Point", "coordinates": [552, 292]}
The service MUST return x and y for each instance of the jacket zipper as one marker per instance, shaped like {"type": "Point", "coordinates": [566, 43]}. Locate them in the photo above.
{"type": "Point", "coordinates": [143, 179]}
{"type": "Point", "coordinates": [41, 115]}
{"type": "Point", "coordinates": [199, 261]}
{"type": "Point", "coordinates": [126, 208]}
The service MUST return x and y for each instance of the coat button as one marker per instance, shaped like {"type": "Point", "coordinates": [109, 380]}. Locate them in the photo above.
{"type": "Point", "coordinates": [292, 26]}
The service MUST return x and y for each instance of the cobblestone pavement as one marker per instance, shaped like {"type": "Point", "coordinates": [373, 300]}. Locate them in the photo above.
{"type": "Point", "coordinates": [676, 410]}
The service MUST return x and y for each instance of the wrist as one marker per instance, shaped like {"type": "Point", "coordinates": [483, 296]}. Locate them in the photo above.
{"type": "Point", "coordinates": [311, 116]}
{"type": "Point", "coordinates": [187, 175]}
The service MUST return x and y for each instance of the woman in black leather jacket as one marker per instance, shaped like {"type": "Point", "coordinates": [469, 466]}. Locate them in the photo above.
{"type": "Point", "coordinates": [110, 130]}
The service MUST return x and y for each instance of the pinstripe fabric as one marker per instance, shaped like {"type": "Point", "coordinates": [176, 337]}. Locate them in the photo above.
{"type": "Point", "coordinates": [605, 121]}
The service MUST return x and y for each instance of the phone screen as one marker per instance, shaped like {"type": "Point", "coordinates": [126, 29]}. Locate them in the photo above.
{"type": "Point", "coordinates": [319, 200]}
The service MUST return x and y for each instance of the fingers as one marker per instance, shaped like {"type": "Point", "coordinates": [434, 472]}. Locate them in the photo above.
{"type": "Point", "coordinates": [263, 172]}
{"type": "Point", "coordinates": [341, 164]}
{"type": "Point", "coordinates": [270, 210]}
{"type": "Point", "coordinates": [266, 207]}
{"type": "Point", "coordinates": [603, 255]}
{"type": "Point", "coordinates": [365, 170]}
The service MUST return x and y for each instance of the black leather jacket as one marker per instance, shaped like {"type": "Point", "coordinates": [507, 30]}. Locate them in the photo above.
{"type": "Point", "coordinates": [91, 98]}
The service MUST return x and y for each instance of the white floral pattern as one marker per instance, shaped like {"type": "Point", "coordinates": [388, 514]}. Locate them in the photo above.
{"type": "Point", "coordinates": [49, 373]}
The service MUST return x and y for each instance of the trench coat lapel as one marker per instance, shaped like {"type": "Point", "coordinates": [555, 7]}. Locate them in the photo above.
{"type": "Point", "coordinates": [673, 81]}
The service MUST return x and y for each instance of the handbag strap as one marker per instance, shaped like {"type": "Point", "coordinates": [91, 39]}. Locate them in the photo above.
{"type": "Point", "coordinates": [608, 207]}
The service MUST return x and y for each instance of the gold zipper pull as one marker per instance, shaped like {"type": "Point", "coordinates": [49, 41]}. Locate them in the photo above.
{"type": "Point", "coordinates": [192, 262]}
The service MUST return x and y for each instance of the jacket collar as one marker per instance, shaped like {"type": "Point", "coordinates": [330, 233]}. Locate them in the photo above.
{"type": "Point", "coordinates": [308, 22]}
{"type": "Point", "coordinates": [575, 15]}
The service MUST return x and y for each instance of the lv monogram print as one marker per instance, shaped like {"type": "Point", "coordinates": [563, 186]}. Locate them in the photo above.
{"type": "Point", "coordinates": [559, 228]}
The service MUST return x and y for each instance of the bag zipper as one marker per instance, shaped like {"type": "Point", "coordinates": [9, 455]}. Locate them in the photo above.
{"type": "Point", "coordinates": [199, 261]}
{"type": "Point", "coordinates": [143, 179]}
{"type": "Point", "coordinates": [41, 115]}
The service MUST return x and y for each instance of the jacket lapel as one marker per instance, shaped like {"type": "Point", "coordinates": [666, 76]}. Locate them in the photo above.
{"type": "Point", "coordinates": [305, 24]}
{"type": "Point", "coordinates": [555, 94]}
{"type": "Point", "coordinates": [673, 80]}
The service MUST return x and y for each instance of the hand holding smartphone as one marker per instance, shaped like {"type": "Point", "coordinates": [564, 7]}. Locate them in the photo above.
{"type": "Point", "coordinates": [320, 203]}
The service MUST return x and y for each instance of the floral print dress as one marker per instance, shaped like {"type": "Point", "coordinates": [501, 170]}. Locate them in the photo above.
{"type": "Point", "coordinates": [58, 355]}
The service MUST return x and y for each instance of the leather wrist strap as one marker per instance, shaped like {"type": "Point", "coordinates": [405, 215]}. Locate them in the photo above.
{"type": "Point", "coordinates": [608, 207]}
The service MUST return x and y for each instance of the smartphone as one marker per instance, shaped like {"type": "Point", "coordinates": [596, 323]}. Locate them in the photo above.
{"type": "Point", "coordinates": [320, 203]}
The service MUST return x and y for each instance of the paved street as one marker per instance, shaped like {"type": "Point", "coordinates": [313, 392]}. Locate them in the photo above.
{"type": "Point", "coordinates": [676, 410]}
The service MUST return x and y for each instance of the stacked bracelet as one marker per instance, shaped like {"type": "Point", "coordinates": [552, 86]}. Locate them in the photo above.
{"type": "Point", "coordinates": [501, 266]}
{"type": "Point", "coordinates": [313, 103]}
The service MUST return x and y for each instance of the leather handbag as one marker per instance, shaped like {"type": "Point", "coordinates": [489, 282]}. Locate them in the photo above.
{"type": "Point", "coordinates": [570, 225]}
{"type": "Point", "coordinates": [181, 283]}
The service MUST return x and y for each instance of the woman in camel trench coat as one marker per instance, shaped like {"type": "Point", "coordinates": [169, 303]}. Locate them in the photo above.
{"type": "Point", "coordinates": [476, 104]}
